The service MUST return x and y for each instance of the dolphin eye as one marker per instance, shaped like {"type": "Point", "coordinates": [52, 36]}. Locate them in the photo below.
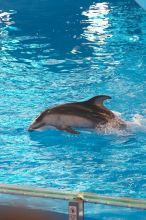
{"type": "Point", "coordinates": [39, 119]}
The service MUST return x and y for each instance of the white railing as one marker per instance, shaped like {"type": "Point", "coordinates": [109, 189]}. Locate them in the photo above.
{"type": "Point", "coordinates": [86, 197]}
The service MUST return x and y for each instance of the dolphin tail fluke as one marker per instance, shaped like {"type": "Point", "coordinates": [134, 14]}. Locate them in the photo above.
{"type": "Point", "coordinates": [69, 129]}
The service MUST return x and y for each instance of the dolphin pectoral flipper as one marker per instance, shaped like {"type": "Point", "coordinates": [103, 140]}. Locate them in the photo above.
{"type": "Point", "coordinates": [69, 129]}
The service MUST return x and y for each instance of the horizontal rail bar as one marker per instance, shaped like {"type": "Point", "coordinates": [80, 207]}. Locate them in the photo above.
{"type": "Point", "coordinates": [86, 197]}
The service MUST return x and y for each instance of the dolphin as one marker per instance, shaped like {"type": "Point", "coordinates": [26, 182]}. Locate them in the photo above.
{"type": "Point", "coordinates": [89, 114]}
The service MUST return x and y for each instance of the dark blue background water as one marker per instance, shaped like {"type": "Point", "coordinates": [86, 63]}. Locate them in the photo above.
{"type": "Point", "coordinates": [54, 52]}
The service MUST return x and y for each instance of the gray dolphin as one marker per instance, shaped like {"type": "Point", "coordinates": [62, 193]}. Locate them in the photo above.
{"type": "Point", "coordinates": [87, 114]}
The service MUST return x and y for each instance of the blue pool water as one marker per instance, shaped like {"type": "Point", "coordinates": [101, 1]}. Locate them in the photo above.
{"type": "Point", "coordinates": [55, 52]}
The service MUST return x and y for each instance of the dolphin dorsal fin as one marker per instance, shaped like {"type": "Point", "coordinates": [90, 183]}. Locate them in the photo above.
{"type": "Point", "coordinates": [98, 100]}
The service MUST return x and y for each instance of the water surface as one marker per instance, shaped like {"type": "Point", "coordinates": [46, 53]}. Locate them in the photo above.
{"type": "Point", "coordinates": [55, 52]}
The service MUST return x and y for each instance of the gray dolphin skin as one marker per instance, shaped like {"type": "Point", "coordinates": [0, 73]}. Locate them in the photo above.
{"type": "Point", "coordinates": [90, 114]}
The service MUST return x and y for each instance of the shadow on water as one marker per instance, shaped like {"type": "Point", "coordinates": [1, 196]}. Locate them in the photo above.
{"type": "Point", "coordinates": [55, 137]}
{"type": "Point", "coordinates": [58, 21]}
{"type": "Point", "coordinates": [87, 140]}
{"type": "Point", "coordinates": [61, 22]}
{"type": "Point", "coordinates": [77, 146]}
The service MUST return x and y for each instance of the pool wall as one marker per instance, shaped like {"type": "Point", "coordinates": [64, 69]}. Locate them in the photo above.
{"type": "Point", "coordinates": [23, 213]}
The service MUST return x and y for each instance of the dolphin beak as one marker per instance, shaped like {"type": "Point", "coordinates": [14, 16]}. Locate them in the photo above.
{"type": "Point", "coordinates": [30, 128]}
{"type": "Point", "coordinates": [35, 126]}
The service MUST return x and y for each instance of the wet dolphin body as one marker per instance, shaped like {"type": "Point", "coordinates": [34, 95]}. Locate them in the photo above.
{"type": "Point", "coordinates": [87, 114]}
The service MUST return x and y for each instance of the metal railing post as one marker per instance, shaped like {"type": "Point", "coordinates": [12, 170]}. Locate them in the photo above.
{"type": "Point", "coordinates": [76, 209]}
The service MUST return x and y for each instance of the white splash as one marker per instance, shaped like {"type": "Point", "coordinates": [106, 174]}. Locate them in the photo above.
{"type": "Point", "coordinates": [138, 123]}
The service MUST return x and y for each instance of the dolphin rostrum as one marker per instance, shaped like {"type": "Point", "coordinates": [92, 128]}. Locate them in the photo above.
{"type": "Point", "coordinates": [88, 114]}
